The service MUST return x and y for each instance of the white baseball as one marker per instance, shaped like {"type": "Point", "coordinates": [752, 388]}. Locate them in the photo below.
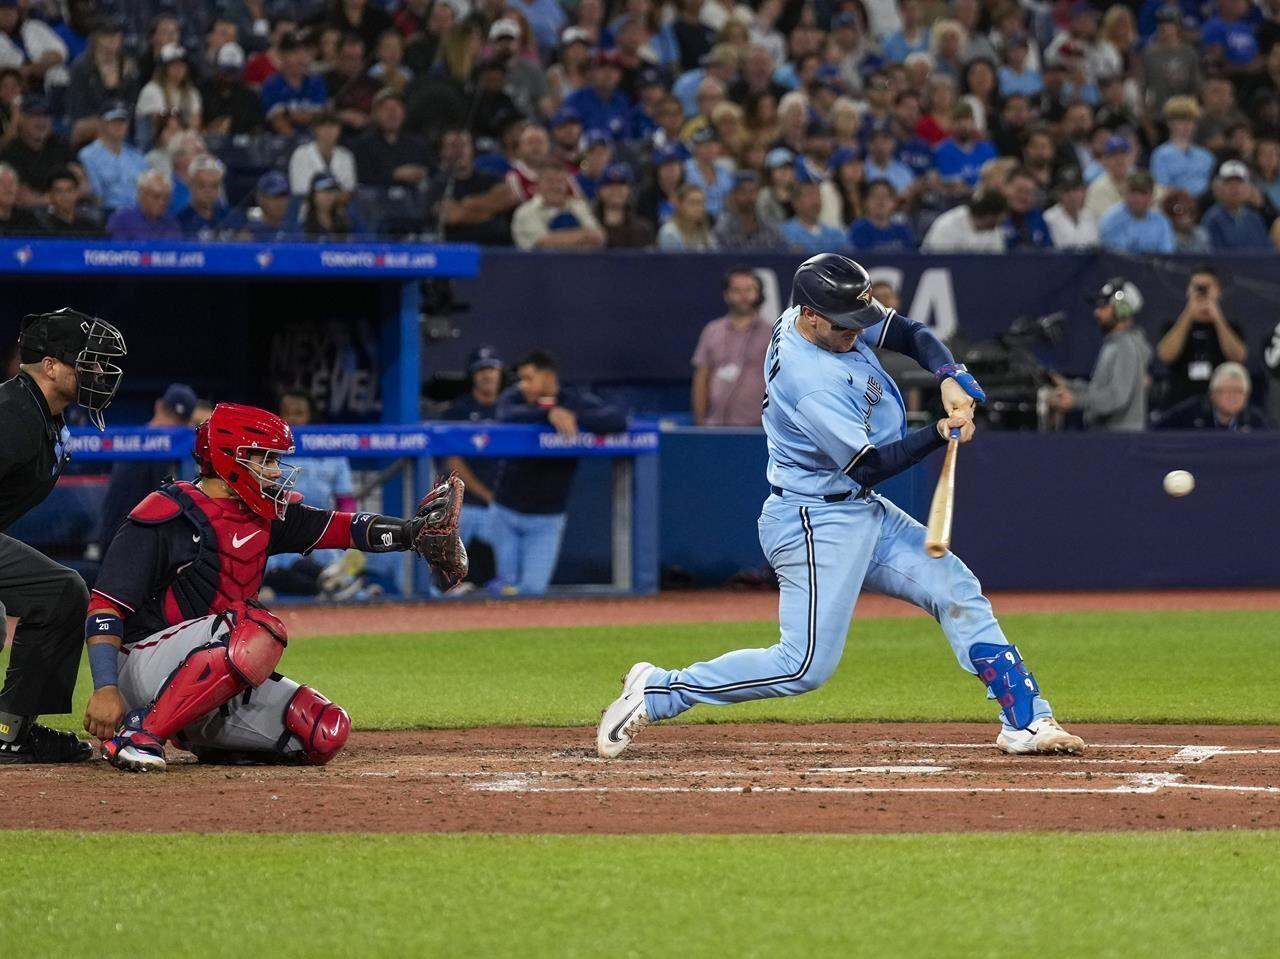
{"type": "Point", "coordinates": [1179, 483]}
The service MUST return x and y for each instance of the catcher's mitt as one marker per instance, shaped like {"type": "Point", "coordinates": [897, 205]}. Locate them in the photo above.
{"type": "Point", "coordinates": [436, 536]}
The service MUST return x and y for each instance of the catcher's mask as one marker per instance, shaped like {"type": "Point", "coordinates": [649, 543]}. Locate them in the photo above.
{"type": "Point", "coordinates": [84, 342]}
{"type": "Point", "coordinates": [243, 446]}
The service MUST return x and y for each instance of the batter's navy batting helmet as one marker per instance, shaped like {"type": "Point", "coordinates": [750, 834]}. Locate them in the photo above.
{"type": "Point", "coordinates": [837, 288]}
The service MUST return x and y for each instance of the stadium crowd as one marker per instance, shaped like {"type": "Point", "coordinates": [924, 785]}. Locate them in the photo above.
{"type": "Point", "coordinates": [885, 125]}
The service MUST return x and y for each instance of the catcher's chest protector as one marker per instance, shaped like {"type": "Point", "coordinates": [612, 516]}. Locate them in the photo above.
{"type": "Point", "coordinates": [231, 555]}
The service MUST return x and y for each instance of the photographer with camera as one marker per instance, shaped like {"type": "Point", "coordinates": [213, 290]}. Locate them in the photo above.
{"type": "Point", "coordinates": [1199, 340]}
{"type": "Point", "coordinates": [1115, 395]}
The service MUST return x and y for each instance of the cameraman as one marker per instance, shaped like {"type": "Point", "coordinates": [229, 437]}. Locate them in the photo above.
{"type": "Point", "coordinates": [1115, 395]}
{"type": "Point", "coordinates": [1199, 340]}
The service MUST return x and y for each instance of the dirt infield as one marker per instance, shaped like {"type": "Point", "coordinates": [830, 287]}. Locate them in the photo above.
{"type": "Point", "coordinates": [892, 777]}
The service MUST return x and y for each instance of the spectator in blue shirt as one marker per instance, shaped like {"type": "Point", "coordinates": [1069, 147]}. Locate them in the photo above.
{"type": "Point", "coordinates": [912, 38]}
{"type": "Point", "coordinates": [148, 219]}
{"type": "Point", "coordinates": [111, 165]}
{"type": "Point", "coordinates": [1132, 226]}
{"type": "Point", "coordinates": [912, 150]}
{"type": "Point", "coordinates": [1024, 227]}
{"type": "Point", "coordinates": [1233, 226]}
{"type": "Point", "coordinates": [597, 154]}
{"type": "Point", "coordinates": [803, 232]}
{"type": "Point", "coordinates": [206, 209]}
{"type": "Point", "coordinates": [959, 158]}
{"type": "Point", "coordinates": [292, 98]}
{"type": "Point", "coordinates": [1178, 163]}
{"type": "Point", "coordinates": [1017, 75]}
{"type": "Point", "coordinates": [269, 221]}
{"type": "Point", "coordinates": [881, 230]}
{"type": "Point", "coordinates": [708, 170]}
{"type": "Point", "coordinates": [881, 164]}
{"type": "Point", "coordinates": [602, 106]}
{"type": "Point", "coordinates": [1229, 38]}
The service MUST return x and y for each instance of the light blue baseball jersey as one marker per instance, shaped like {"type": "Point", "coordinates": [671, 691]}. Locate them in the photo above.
{"type": "Point", "coordinates": [824, 411]}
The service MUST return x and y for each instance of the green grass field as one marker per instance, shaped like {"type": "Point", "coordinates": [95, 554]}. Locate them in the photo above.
{"type": "Point", "coordinates": [1044, 896]}
{"type": "Point", "coordinates": [1062, 895]}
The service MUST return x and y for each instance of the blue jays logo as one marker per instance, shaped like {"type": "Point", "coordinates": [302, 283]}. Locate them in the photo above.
{"type": "Point", "coordinates": [865, 297]}
{"type": "Point", "coordinates": [23, 255]}
{"type": "Point", "coordinates": [479, 440]}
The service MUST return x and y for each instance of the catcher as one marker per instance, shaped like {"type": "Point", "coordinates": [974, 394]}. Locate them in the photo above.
{"type": "Point", "coordinates": [178, 646]}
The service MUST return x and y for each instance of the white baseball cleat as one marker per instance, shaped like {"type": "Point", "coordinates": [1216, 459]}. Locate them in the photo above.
{"type": "Point", "coordinates": [626, 715]}
{"type": "Point", "coordinates": [1042, 736]}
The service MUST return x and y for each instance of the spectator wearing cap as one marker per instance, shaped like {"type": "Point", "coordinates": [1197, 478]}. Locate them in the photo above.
{"type": "Point", "coordinates": [882, 229]}
{"type": "Point", "coordinates": [221, 31]}
{"type": "Point", "coordinates": [1108, 189]}
{"type": "Point", "coordinates": [36, 153]}
{"type": "Point", "coordinates": [1225, 407]}
{"type": "Point", "coordinates": [814, 161]}
{"type": "Point", "coordinates": [774, 202]}
{"type": "Point", "coordinates": [104, 74]}
{"type": "Point", "coordinates": [601, 105]}
{"type": "Point", "coordinates": [328, 217]}
{"type": "Point", "coordinates": [61, 218]}
{"type": "Point", "coordinates": [881, 162]}
{"type": "Point", "coordinates": [914, 37]}
{"type": "Point", "coordinates": [468, 205]}
{"type": "Point", "coordinates": [479, 473]}
{"type": "Point", "coordinates": [1170, 66]}
{"type": "Point", "coordinates": [1071, 224]}
{"type": "Point", "coordinates": [688, 35]}
{"type": "Point", "coordinates": [959, 158]}
{"type": "Point", "coordinates": [265, 64]}
{"type": "Point", "coordinates": [721, 62]}
{"type": "Point", "coordinates": [526, 80]}
{"type": "Point", "coordinates": [111, 165]}
{"type": "Point", "coordinates": [386, 154]}
{"type": "Point", "coordinates": [206, 208]}
{"type": "Point", "coordinates": [1113, 111]}
{"type": "Point", "coordinates": [1132, 225]}
{"type": "Point", "coordinates": [133, 480]}
{"type": "Point", "coordinates": [555, 219]}
{"type": "Point", "coordinates": [1189, 236]}
{"type": "Point", "coordinates": [972, 227]}
{"type": "Point", "coordinates": [597, 154]}
{"type": "Point", "coordinates": [1178, 163]}
{"type": "Point", "coordinates": [322, 153]}
{"type": "Point", "coordinates": [29, 44]}
{"type": "Point", "coordinates": [169, 93]}
{"type": "Point", "coordinates": [1024, 225]}
{"type": "Point", "coordinates": [709, 171]}
{"type": "Point", "coordinates": [1232, 224]}
{"type": "Point", "coordinates": [740, 226]}
{"type": "Point", "coordinates": [14, 220]}
{"type": "Point", "coordinates": [658, 199]}
{"type": "Point", "coordinates": [230, 107]}
{"type": "Point", "coordinates": [804, 232]}
{"type": "Point", "coordinates": [268, 220]}
{"type": "Point", "coordinates": [615, 209]}
{"type": "Point", "coordinates": [565, 126]}
{"type": "Point", "coordinates": [149, 218]}
{"type": "Point", "coordinates": [651, 95]}
{"type": "Point", "coordinates": [1018, 75]}
{"type": "Point", "coordinates": [688, 230]}
{"type": "Point", "coordinates": [492, 108]}
{"type": "Point", "coordinates": [291, 98]}
{"type": "Point", "coordinates": [570, 74]}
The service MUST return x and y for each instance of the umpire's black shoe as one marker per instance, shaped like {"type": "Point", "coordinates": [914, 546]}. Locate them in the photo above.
{"type": "Point", "coordinates": [40, 744]}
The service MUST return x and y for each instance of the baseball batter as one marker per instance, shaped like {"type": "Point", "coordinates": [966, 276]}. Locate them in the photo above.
{"type": "Point", "coordinates": [836, 426]}
{"type": "Point", "coordinates": [178, 646]}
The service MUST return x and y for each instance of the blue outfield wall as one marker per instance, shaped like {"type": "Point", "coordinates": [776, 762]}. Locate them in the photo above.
{"type": "Point", "coordinates": [626, 316]}
{"type": "Point", "coordinates": [1051, 511]}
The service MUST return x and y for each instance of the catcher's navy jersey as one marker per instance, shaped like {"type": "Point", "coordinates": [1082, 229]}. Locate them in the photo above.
{"type": "Point", "coordinates": [824, 410]}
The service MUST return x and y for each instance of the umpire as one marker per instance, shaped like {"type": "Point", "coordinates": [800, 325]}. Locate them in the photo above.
{"type": "Point", "coordinates": [66, 357]}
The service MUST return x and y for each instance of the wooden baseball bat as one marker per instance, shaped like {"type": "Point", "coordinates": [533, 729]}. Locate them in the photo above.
{"type": "Point", "coordinates": [937, 537]}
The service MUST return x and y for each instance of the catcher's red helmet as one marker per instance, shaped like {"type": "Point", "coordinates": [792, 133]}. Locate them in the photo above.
{"type": "Point", "coordinates": [242, 446]}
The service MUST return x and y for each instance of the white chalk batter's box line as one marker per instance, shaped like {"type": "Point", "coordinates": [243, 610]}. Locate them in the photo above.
{"type": "Point", "coordinates": [1132, 783]}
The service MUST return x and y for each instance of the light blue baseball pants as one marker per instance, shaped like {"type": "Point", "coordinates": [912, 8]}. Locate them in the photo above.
{"type": "Point", "coordinates": [823, 554]}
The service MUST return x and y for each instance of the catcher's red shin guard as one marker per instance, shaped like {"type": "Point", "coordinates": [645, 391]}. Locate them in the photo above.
{"type": "Point", "coordinates": [322, 726]}
{"type": "Point", "coordinates": [212, 675]}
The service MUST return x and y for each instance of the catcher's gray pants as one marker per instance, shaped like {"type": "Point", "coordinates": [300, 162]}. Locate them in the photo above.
{"type": "Point", "coordinates": [251, 722]}
{"type": "Point", "coordinates": [50, 602]}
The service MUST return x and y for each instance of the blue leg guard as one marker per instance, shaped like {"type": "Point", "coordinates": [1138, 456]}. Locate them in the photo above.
{"type": "Point", "coordinates": [1011, 683]}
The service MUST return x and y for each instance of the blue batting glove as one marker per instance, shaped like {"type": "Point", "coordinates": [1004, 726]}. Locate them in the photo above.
{"type": "Point", "coordinates": [959, 373]}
